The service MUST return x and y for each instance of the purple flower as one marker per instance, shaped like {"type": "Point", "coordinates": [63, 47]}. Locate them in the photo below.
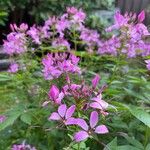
{"type": "Point", "coordinates": [72, 10]}
{"type": "Point", "coordinates": [95, 81]}
{"type": "Point", "coordinates": [22, 28]}
{"type": "Point", "coordinates": [61, 43]}
{"type": "Point", "coordinates": [61, 25]}
{"type": "Point", "coordinates": [2, 118]}
{"type": "Point", "coordinates": [34, 33]}
{"type": "Point", "coordinates": [56, 65]}
{"type": "Point", "coordinates": [64, 115]}
{"type": "Point", "coordinates": [22, 146]}
{"type": "Point", "coordinates": [13, 68]}
{"type": "Point", "coordinates": [55, 95]}
{"type": "Point", "coordinates": [15, 43]}
{"type": "Point", "coordinates": [141, 16]}
{"type": "Point", "coordinates": [98, 103]}
{"type": "Point", "coordinates": [89, 130]}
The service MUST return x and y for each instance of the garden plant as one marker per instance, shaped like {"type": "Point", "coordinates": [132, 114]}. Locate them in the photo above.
{"type": "Point", "coordinates": [69, 88]}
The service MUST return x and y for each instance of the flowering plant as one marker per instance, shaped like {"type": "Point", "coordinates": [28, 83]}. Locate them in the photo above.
{"type": "Point", "coordinates": [51, 80]}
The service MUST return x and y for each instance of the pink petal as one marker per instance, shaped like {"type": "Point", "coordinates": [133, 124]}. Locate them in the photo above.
{"type": "Point", "coordinates": [70, 111]}
{"type": "Point", "coordinates": [95, 81]}
{"type": "Point", "coordinates": [53, 92]}
{"type": "Point", "coordinates": [60, 97]}
{"type": "Point", "coordinates": [54, 116]}
{"type": "Point", "coordinates": [93, 119]}
{"type": "Point", "coordinates": [62, 110]}
{"type": "Point", "coordinates": [96, 105]}
{"type": "Point", "coordinates": [102, 129]}
{"type": "Point", "coordinates": [141, 16]}
{"type": "Point", "coordinates": [82, 124]}
{"type": "Point", "coordinates": [98, 98]}
{"type": "Point", "coordinates": [80, 136]}
{"type": "Point", "coordinates": [71, 121]}
{"type": "Point", "coordinates": [103, 104]}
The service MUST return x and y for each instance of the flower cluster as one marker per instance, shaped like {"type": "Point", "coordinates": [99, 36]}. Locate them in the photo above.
{"type": "Point", "coordinates": [82, 99]}
{"type": "Point", "coordinates": [13, 68]}
{"type": "Point", "coordinates": [131, 37]}
{"type": "Point", "coordinates": [22, 146]}
{"type": "Point", "coordinates": [69, 32]}
{"type": "Point", "coordinates": [16, 42]}
{"type": "Point", "coordinates": [58, 64]}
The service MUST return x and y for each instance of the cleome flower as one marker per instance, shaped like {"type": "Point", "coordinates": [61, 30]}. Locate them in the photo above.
{"type": "Point", "coordinates": [89, 130]}
{"type": "Point", "coordinates": [57, 64]}
{"type": "Point", "coordinates": [64, 115]}
{"type": "Point", "coordinates": [22, 146]}
{"type": "Point", "coordinates": [13, 68]}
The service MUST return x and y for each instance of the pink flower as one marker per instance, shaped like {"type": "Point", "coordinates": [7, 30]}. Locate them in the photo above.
{"type": "Point", "coordinates": [89, 130]}
{"type": "Point", "coordinates": [72, 10]}
{"type": "Point", "coordinates": [98, 103]}
{"type": "Point", "coordinates": [15, 43]}
{"type": "Point", "coordinates": [13, 68]}
{"type": "Point", "coordinates": [2, 118]}
{"type": "Point", "coordinates": [22, 146]}
{"type": "Point", "coordinates": [95, 81]}
{"type": "Point", "coordinates": [141, 16]}
{"type": "Point", "coordinates": [34, 33]}
{"type": "Point", "coordinates": [64, 115]}
{"type": "Point", "coordinates": [61, 43]}
{"type": "Point", "coordinates": [55, 95]}
{"type": "Point", "coordinates": [56, 65]}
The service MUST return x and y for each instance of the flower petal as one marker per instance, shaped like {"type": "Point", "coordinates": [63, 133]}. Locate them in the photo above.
{"type": "Point", "coordinates": [82, 124]}
{"type": "Point", "coordinates": [53, 92]}
{"type": "Point", "coordinates": [141, 16]}
{"type": "Point", "coordinates": [60, 97]}
{"type": "Point", "coordinates": [97, 98]}
{"type": "Point", "coordinates": [80, 136]}
{"type": "Point", "coordinates": [62, 110]}
{"type": "Point", "coordinates": [103, 104]}
{"type": "Point", "coordinates": [102, 129]}
{"type": "Point", "coordinates": [70, 111]}
{"type": "Point", "coordinates": [95, 81]}
{"type": "Point", "coordinates": [54, 116]}
{"type": "Point", "coordinates": [71, 121]}
{"type": "Point", "coordinates": [96, 105]}
{"type": "Point", "coordinates": [93, 119]}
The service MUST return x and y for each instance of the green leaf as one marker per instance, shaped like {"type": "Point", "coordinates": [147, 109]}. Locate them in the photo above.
{"type": "Point", "coordinates": [147, 147]}
{"type": "Point", "coordinates": [5, 77]}
{"type": "Point", "coordinates": [133, 141]}
{"type": "Point", "coordinates": [140, 114]}
{"type": "Point", "coordinates": [26, 118]}
{"type": "Point", "coordinates": [10, 119]}
{"type": "Point", "coordinates": [112, 145]}
{"type": "Point", "coordinates": [127, 147]}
